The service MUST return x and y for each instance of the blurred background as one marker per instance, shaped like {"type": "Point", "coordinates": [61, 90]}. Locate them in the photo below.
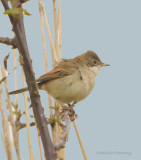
{"type": "Point", "coordinates": [109, 119]}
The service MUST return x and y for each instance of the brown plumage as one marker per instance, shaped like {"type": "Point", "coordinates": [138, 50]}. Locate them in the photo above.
{"type": "Point", "coordinates": [72, 79]}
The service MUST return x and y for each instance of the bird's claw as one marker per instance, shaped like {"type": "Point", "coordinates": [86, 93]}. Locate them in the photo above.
{"type": "Point", "coordinates": [71, 111]}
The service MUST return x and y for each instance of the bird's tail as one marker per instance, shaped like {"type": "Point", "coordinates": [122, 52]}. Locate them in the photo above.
{"type": "Point", "coordinates": [19, 91]}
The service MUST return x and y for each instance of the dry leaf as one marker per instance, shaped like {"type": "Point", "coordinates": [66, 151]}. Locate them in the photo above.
{"type": "Point", "coordinates": [5, 60]}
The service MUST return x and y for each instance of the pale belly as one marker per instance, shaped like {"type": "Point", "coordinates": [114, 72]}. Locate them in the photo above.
{"type": "Point", "coordinates": [72, 88]}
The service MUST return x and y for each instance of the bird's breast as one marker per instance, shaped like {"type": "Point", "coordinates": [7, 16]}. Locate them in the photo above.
{"type": "Point", "coordinates": [71, 88]}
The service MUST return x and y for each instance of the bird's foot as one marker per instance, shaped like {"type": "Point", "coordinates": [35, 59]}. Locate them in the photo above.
{"type": "Point", "coordinates": [71, 105]}
{"type": "Point", "coordinates": [71, 111]}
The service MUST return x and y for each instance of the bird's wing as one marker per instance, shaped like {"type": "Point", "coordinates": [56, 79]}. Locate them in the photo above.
{"type": "Point", "coordinates": [64, 68]}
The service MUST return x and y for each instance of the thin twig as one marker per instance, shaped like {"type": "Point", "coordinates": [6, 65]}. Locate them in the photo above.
{"type": "Point", "coordinates": [9, 41]}
{"type": "Point", "coordinates": [23, 125]}
{"type": "Point", "coordinates": [80, 141]}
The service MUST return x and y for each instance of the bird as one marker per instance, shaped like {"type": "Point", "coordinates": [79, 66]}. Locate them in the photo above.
{"type": "Point", "coordinates": [71, 80]}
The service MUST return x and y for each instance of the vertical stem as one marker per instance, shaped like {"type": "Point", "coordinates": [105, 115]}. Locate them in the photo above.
{"type": "Point", "coordinates": [43, 37]}
{"type": "Point", "coordinates": [49, 34]}
{"type": "Point", "coordinates": [80, 141]}
{"type": "Point", "coordinates": [38, 135]}
{"type": "Point", "coordinates": [57, 129]}
{"type": "Point", "coordinates": [27, 120]}
{"type": "Point", "coordinates": [11, 116]}
{"type": "Point", "coordinates": [5, 147]}
{"type": "Point", "coordinates": [15, 75]}
{"type": "Point", "coordinates": [44, 50]}
{"type": "Point", "coordinates": [59, 28]}
{"type": "Point", "coordinates": [56, 133]}
{"type": "Point", "coordinates": [6, 138]}
{"type": "Point", "coordinates": [55, 26]}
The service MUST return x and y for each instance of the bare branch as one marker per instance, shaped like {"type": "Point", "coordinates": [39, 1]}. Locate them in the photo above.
{"type": "Point", "coordinates": [18, 28]}
{"type": "Point", "coordinates": [65, 130]}
{"type": "Point", "coordinates": [23, 125]}
{"type": "Point", "coordinates": [6, 7]}
{"type": "Point", "coordinates": [9, 41]}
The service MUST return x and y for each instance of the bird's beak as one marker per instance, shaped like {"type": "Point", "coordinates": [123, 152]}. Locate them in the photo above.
{"type": "Point", "coordinates": [104, 65]}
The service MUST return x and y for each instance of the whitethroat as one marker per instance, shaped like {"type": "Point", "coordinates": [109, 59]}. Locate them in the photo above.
{"type": "Point", "coordinates": [72, 80]}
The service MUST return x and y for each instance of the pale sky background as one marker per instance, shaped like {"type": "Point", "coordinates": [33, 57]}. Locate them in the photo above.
{"type": "Point", "coordinates": [109, 120]}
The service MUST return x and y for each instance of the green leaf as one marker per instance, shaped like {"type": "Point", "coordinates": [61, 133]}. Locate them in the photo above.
{"type": "Point", "coordinates": [26, 13]}
{"type": "Point", "coordinates": [14, 112]}
{"type": "Point", "coordinates": [20, 59]}
{"type": "Point", "coordinates": [31, 116]}
{"type": "Point", "coordinates": [56, 108]}
{"type": "Point", "coordinates": [28, 99]}
{"type": "Point", "coordinates": [53, 120]}
{"type": "Point", "coordinates": [15, 106]}
{"type": "Point", "coordinates": [15, 11]}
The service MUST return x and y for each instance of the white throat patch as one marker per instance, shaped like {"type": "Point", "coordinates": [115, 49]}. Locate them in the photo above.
{"type": "Point", "coordinates": [95, 69]}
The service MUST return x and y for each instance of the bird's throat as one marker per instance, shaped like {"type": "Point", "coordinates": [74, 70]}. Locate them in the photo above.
{"type": "Point", "coordinates": [95, 69]}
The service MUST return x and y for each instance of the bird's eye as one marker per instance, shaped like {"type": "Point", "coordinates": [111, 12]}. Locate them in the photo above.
{"type": "Point", "coordinates": [95, 62]}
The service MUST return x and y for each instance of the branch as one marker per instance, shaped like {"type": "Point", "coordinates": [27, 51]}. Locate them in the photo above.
{"type": "Point", "coordinates": [23, 125]}
{"type": "Point", "coordinates": [9, 41]}
{"type": "Point", "coordinates": [6, 7]}
{"type": "Point", "coordinates": [65, 130]}
{"type": "Point", "coordinates": [18, 28]}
